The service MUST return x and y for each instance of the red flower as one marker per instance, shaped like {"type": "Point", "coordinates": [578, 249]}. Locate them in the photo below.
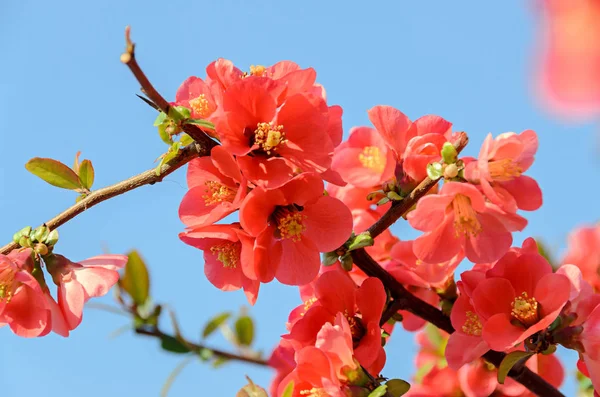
{"type": "Point", "coordinates": [217, 189]}
{"type": "Point", "coordinates": [227, 250]}
{"type": "Point", "coordinates": [292, 224]}
{"type": "Point", "coordinates": [460, 217]}
{"type": "Point", "coordinates": [584, 252]}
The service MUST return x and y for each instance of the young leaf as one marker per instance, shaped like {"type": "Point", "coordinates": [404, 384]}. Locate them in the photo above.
{"type": "Point", "coordinates": [360, 241]}
{"type": "Point", "coordinates": [289, 390]}
{"type": "Point", "coordinates": [244, 330]}
{"type": "Point", "coordinates": [214, 323]}
{"type": "Point", "coordinates": [435, 171]}
{"type": "Point", "coordinates": [397, 387]}
{"type": "Point", "coordinates": [86, 174]}
{"type": "Point", "coordinates": [379, 392]}
{"type": "Point", "coordinates": [54, 172]}
{"type": "Point", "coordinates": [202, 123]}
{"type": "Point", "coordinates": [509, 361]}
{"type": "Point", "coordinates": [449, 153]}
{"type": "Point", "coordinates": [329, 258]}
{"type": "Point", "coordinates": [185, 139]}
{"type": "Point", "coordinates": [76, 162]}
{"type": "Point", "coordinates": [173, 345]}
{"type": "Point", "coordinates": [135, 280]}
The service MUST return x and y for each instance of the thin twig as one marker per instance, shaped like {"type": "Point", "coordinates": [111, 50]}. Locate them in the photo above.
{"type": "Point", "coordinates": [128, 58]}
{"type": "Point", "coordinates": [197, 348]}
{"type": "Point", "coordinates": [145, 178]}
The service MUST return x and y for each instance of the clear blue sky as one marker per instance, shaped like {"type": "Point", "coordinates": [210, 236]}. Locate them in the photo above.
{"type": "Point", "coordinates": [63, 89]}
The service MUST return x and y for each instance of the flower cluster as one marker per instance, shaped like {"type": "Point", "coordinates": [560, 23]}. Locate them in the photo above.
{"type": "Point", "coordinates": [26, 304]}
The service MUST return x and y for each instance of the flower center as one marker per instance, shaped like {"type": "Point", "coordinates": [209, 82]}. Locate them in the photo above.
{"type": "Point", "coordinates": [472, 325]}
{"type": "Point", "coordinates": [216, 192]}
{"type": "Point", "coordinates": [504, 170]}
{"type": "Point", "coordinates": [200, 106]}
{"type": "Point", "coordinates": [372, 159]}
{"type": "Point", "coordinates": [228, 253]}
{"type": "Point", "coordinates": [309, 303]}
{"type": "Point", "coordinates": [314, 392]}
{"type": "Point", "coordinates": [8, 285]}
{"type": "Point", "coordinates": [465, 217]}
{"type": "Point", "coordinates": [525, 309]}
{"type": "Point", "coordinates": [269, 137]}
{"type": "Point", "coordinates": [290, 223]}
{"type": "Point", "coordinates": [357, 328]}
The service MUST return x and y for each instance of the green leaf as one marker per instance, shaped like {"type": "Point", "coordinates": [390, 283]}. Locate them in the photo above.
{"type": "Point", "coordinates": [329, 258]}
{"type": "Point", "coordinates": [379, 392]}
{"type": "Point", "coordinates": [161, 118]}
{"type": "Point", "coordinates": [347, 262]}
{"type": "Point", "coordinates": [394, 196]}
{"type": "Point", "coordinates": [360, 241]}
{"type": "Point", "coordinates": [163, 134]}
{"type": "Point", "coordinates": [397, 387]}
{"type": "Point", "coordinates": [289, 390]}
{"type": "Point", "coordinates": [185, 139]}
{"type": "Point", "coordinates": [171, 344]}
{"type": "Point", "coordinates": [202, 123]}
{"type": "Point", "coordinates": [219, 361]}
{"type": "Point", "coordinates": [244, 330]}
{"type": "Point", "coordinates": [169, 382]}
{"type": "Point", "coordinates": [54, 172]}
{"type": "Point", "coordinates": [179, 113]}
{"type": "Point", "coordinates": [435, 171]}
{"type": "Point", "coordinates": [86, 174]}
{"type": "Point", "coordinates": [509, 361]}
{"type": "Point", "coordinates": [215, 323]}
{"type": "Point", "coordinates": [136, 280]}
{"type": "Point", "coordinates": [449, 153]}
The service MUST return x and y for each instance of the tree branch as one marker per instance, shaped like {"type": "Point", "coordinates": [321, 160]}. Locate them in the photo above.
{"type": "Point", "coordinates": [128, 58]}
{"type": "Point", "coordinates": [404, 300]}
{"type": "Point", "coordinates": [145, 178]}
{"type": "Point", "coordinates": [157, 333]}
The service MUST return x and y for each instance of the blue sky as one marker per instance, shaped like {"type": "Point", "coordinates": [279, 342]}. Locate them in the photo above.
{"type": "Point", "coordinates": [63, 89]}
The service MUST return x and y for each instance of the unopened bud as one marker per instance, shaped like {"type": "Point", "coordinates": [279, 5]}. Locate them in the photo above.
{"type": "Point", "coordinates": [347, 262]}
{"type": "Point", "coordinates": [40, 233]}
{"type": "Point", "coordinates": [52, 238]}
{"type": "Point", "coordinates": [41, 249]}
{"type": "Point", "coordinates": [25, 242]}
{"type": "Point", "coordinates": [450, 171]}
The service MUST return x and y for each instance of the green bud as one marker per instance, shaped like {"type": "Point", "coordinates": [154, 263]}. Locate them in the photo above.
{"type": "Point", "coordinates": [449, 153]}
{"type": "Point", "coordinates": [41, 249]}
{"type": "Point", "coordinates": [329, 258]}
{"type": "Point", "coordinates": [360, 241]}
{"type": "Point", "coordinates": [40, 233]}
{"type": "Point", "coordinates": [52, 238]}
{"type": "Point", "coordinates": [25, 242]}
{"type": "Point", "coordinates": [394, 196]}
{"type": "Point", "coordinates": [347, 262]}
{"type": "Point", "coordinates": [383, 201]}
{"type": "Point", "coordinates": [434, 171]}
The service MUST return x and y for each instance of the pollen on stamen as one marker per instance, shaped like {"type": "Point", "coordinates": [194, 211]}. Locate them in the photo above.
{"type": "Point", "coordinates": [465, 217]}
{"type": "Point", "coordinates": [269, 137]}
{"type": "Point", "coordinates": [200, 106]}
{"type": "Point", "coordinates": [371, 158]}
{"type": "Point", "coordinates": [504, 170]}
{"type": "Point", "coordinates": [472, 325]}
{"type": "Point", "coordinates": [216, 192]}
{"type": "Point", "coordinates": [308, 304]}
{"type": "Point", "coordinates": [290, 225]}
{"type": "Point", "coordinates": [314, 392]}
{"type": "Point", "coordinates": [525, 309]}
{"type": "Point", "coordinates": [7, 284]}
{"type": "Point", "coordinates": [227, 253]}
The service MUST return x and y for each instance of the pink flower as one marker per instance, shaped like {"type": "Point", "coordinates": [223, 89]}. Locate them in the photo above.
{"type": "Point", "coordinates": [362, 306]}
{"type": "Point", "coordinates": [271, 140]}
{"type": "Point", "coordinates": [197, 96]}
{"type": "Point", "coordinates": [500, 169]}
{"type": "Point", "coordinates": [227, 250]}
{"type": "Point", "coordinates": [217, 189]}
{"type": "Point", "coordinates": [23, 304]}
{"type": "Point", "coordinates": [516, 298]}
{"type": "Point", "coordinates": [570, 63]}
{"type": "Point", "coordinates": [461, 218]}
{"type": "Point", "coordinates": [282, 360]}
{"type": "Point", "coordinates": [584, 252]}
{"type": "Point", "coordinates": [292, 224]}
{"type": "Point", "coordinates": [78, 282]}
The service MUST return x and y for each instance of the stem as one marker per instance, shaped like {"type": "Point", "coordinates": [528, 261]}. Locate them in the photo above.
{"type": "Point", "coordinates": [149, 177]}
{"type": "Point", "coordinates": [157, 333]}
{"type": "Point", "coordinates": [128, 58]}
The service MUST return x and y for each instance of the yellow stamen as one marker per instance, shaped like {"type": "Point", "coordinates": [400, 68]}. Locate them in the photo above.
{"type": "Point", "coordinates": [314, 392]}
{"type": "Point", "coordinates": [8, 285]}
{"type": "Point", "coordinates": [357, 329]}
{"type": "Point", "coordinates": [504, 170]}
{"type": "Point", "coordinates": [227, 253]}
{"type": "Point", "coordinates": [525, 309]}
{"type": "Point", "coordinates": [216, 192]}
{"type": "Point", "coordinates": [200, 106]}
{"type": "Point", "coordinates": [269, 137]}
{"type": "Point", "coordinates": [472, 325]}
{"type": "Point", "coordinates": [258, 70]}
{"type": "Point", "coordinates": [371, 158]}
{"type": "Point", "coordinates": [465, 217]}
{"type": "Point", "coordinates": [290, 225]}
{"type": "Point", "coordinates": [309, 303]}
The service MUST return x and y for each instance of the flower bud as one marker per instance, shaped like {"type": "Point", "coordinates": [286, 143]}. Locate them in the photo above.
{"type": "Point", "coordinates": [41, 249]}
{"type": "Point", "coordinates": [52, 238]}
{"type": "Point", "coordinates": [40, 233]}
{"type": "Point", "coordinates": [450, 171]}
